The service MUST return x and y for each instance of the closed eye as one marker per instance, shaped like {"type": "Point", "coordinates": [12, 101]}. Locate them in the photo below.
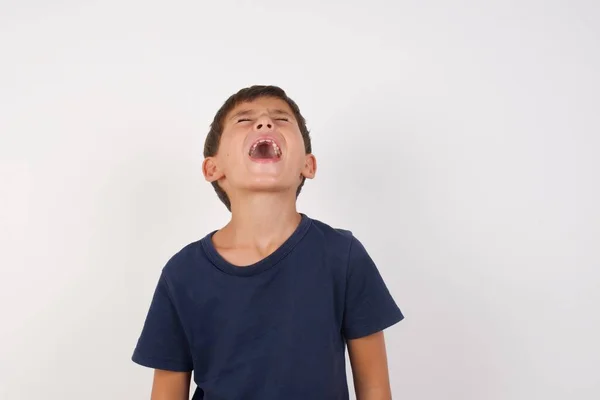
{"type": "Point", "coordinates": [243, 120]}
{"type": "Point", "coordinates": [282, 119]}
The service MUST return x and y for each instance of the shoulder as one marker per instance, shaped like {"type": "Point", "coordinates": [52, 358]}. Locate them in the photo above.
{"type": "Point", "coordinates": [330, 232]}
{"type": "Point", "coordinates": [341, 239]}
{"type": "Point", "coordinates": [183, 262]}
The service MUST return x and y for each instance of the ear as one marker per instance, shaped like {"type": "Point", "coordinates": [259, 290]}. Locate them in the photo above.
{"type": "Point", "coordinates": [310, 167]}
{"type": "Point", "coordinates": [210, 170]}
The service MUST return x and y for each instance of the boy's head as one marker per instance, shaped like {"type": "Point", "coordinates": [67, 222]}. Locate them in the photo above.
{"type": "Point", "coordinates": [258, 141]}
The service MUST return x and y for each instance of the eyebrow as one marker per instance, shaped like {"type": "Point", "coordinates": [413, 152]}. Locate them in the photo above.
{"type": "Point", "coordinates": [243, 113]}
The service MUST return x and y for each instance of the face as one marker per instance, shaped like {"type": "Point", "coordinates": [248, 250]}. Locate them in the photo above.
{"type": "Point", "coordinates": [261, 149]}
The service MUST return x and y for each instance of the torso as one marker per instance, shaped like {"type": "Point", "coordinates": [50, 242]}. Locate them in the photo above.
{"type": "Point", "coordinates": [271, 329]}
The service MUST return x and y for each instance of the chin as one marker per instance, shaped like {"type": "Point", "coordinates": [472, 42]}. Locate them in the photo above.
{"type": "Point", "coordinates": [268, 185]}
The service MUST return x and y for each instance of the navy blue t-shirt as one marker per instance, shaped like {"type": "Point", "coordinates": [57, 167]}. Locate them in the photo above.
{"type": "Point", "coordinates": [270, 331]}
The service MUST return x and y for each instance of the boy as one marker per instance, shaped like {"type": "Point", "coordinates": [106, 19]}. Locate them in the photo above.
{"type": "Point", "coordinates": [263, 308]}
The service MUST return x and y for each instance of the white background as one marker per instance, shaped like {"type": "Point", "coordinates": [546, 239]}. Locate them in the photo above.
{"type": "Point", "coordinates": [458, 140]}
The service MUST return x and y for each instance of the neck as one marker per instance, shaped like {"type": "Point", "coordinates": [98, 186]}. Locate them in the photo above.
{"type": "Point", "coordinates": [261, 219]}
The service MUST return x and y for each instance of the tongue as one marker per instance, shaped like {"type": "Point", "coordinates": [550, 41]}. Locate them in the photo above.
{"type": "Point", "coordinates": [263, 151]}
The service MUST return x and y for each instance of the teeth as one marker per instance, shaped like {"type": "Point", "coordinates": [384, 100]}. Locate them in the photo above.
{"type": "Point", "coordinates": [269, 141]}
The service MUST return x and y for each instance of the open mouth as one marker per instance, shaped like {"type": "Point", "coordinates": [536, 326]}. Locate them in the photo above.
{"type": "Point", "coordinates": [265, 149]}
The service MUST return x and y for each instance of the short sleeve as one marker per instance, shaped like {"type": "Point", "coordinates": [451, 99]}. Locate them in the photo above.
{"type": "Point", "coordinates": [369, 306]}
{"type": "Point", "coordinates": [163, 343]}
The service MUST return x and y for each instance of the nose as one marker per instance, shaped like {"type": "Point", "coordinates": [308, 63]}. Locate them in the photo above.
{"type": "Point", "coordinates": [263, 123]}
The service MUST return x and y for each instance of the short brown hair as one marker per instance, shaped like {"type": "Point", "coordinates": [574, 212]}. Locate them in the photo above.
{"type": "Point", "coordinates": [211, 144]}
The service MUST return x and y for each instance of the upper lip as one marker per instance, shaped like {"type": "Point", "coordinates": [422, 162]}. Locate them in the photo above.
{"type": "Point", "coordinates": [265, 137]}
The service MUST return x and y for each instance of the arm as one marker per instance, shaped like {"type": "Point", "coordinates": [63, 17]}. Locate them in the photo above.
{"type": "Point", "coordinates": [170, 385]}
{"type": "Point", "coordinates": [369, 367]}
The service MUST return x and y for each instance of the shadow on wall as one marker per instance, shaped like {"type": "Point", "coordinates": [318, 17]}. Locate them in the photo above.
{"type": "Point", "coordinates": [140, 218]}
{"type": "Point", "coordinates": [457, 333]}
